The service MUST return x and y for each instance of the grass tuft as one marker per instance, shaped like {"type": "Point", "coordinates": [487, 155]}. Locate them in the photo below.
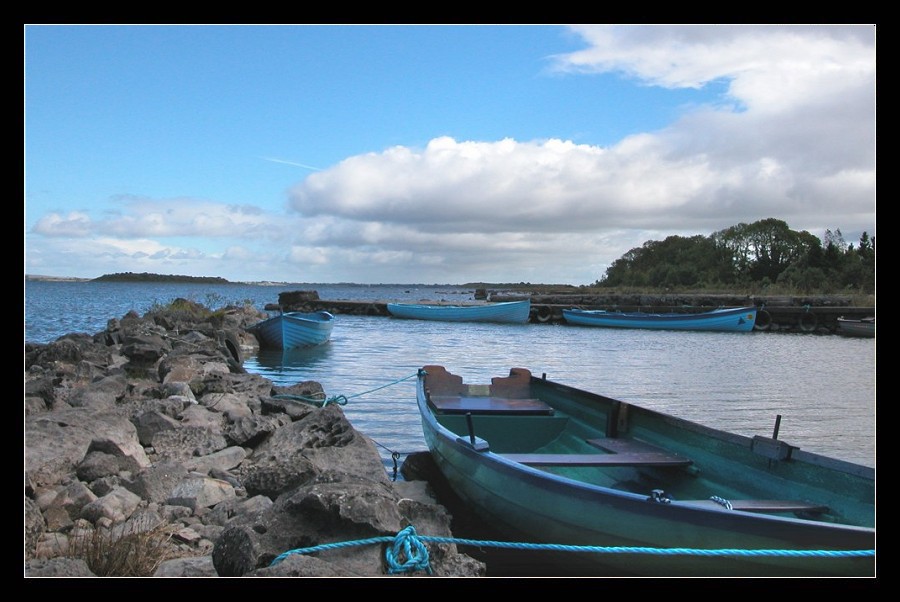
{"type": "Point", "coordinates": [122, 551]}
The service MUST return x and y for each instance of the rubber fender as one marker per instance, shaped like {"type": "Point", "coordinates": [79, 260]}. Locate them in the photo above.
{"type": "Point", "coordinates": [763, 320]}
{"type": "Point", "coordinates": [233, 345]}
{"type": "Point", "coordinates": [808, 322]}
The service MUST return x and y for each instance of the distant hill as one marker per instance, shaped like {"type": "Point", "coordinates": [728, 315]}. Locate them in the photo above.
{"type": "Point", "coordinates": [146, 277]}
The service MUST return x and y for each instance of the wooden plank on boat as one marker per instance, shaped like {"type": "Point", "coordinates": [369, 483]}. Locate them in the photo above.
{"type": "Point", "coordinates": [631, 448]}
{"type": "Point", "coordinates": [636, 459]}
{"type": "Point", "coordinates": [764, 505]}
{"type": "Point", "coordinates": [456, 404]}
{"type": "Point", "coordinates": [618, 446]}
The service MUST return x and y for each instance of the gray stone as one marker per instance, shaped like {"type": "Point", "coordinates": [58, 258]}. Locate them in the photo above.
{"type": "Point", "coordinates": [117, 506]}
{"type": "Point", "coordinates": [221, 460]}
{"type": "Point", "coordinates": [200, 492]}
{"type": "Point", "coordinates": [58, 567]}
{"type": "Point", "coordinates": [198, 566]}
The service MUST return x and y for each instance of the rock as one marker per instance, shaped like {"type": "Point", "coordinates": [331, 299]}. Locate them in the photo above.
{"type": "Point", "coordinates": [197, 566]}
{"type": "Point", "coordinates": [117, 506]}
{"type": "Point", "coordinates": [200, 492]}
{"type": "Point", "coordinates": [58, 567]}
{"type": "Point", "coordinates": [152, 434]}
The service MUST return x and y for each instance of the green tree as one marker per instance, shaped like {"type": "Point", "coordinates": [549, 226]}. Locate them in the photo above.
{"type": "Point", "coordinates": [761, 254]}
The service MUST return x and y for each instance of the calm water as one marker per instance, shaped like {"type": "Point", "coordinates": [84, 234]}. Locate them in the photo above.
{"type": "Point", "coordinates": [822, 386]}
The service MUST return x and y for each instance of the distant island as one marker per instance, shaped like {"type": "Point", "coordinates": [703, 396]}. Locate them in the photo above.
{"type": "Point", "coordinates": [147, 277]}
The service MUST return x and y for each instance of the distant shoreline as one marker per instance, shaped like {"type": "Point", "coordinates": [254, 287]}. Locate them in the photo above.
{"type": "Point", "coordinates": [56, 278]}
{"type": "Point", "coordinates": [157, 278]}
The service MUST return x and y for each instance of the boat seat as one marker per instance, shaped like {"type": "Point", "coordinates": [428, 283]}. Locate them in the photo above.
{"type": "Point", "coordinates": [515, 386]}
{"type": "Point", "coordinates": [628, 459]}
{"type": "Point", "coordinates": [632, 447]}
{"type": "Point", "coordinates": [457, 404]}
{"type": "Point", "coordinates": [763, 505]}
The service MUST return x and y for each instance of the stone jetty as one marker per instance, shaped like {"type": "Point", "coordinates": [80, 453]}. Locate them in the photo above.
{"type": "Point", "coordinates": [151, 452]}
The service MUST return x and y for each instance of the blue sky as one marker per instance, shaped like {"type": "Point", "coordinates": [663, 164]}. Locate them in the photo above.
{"type": "Point", "coordinates": [433, 154]}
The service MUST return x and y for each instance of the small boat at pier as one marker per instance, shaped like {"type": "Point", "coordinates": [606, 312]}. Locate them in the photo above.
{"type": "Point", "coordinates": [546, 463]}
{"type": "Point", "coordinates": [516, 312]}
{"type": "Point", "coordinates": [292, 330]}
{"type": "Point", "coordinates": [733, 319]}
{"type": "Point", "coordinates": [863, 327]}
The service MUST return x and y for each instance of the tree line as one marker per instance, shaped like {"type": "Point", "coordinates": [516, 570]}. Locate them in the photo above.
{"type": "Point", "coordinates": [766, 254]}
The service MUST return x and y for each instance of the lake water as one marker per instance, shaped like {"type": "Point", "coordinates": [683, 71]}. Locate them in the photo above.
{"type": "Point", "coordinates": [823, 386]}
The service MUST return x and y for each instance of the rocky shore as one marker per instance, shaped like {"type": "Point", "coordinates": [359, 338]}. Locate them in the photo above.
{"type": "Point", "coordinates": [151, 452]}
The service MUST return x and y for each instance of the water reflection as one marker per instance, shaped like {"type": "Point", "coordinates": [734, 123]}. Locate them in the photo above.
{"type": "Point", "coordinates": [290, 366]}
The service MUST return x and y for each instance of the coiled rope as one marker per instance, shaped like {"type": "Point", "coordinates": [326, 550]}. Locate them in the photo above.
{"type": "Point", "coordinates": [320, 398]}
{"type": "Point", "coordinates": [722, 501]}
{"type": "Point", "coordinates": [407, 552]}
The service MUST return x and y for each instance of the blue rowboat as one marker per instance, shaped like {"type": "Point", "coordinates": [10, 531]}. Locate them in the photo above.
{"type": "Point", "coordinates": [294, 330]}
{"type": "Point", "coordinates": [508, 311]}
{"type": "Point", "coordinates": [547, 464]}
{"type": "Point", "coordinates": [733, 319]}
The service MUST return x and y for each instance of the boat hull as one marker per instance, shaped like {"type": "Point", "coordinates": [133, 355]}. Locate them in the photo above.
{"type": "Point", "coordinates": [535, 505]}
{"type": "Point", "coordinates": [741, 319]}
{"type": "Point", "coordinates": [294, 330]}
{"type": "Point", "coordinates": [856, 328]}
{"type": "Point", "coordinates": [514, 312]}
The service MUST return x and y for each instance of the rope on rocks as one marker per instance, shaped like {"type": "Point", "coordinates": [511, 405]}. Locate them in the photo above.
{"type": "Point", "coordinates": [407, 552]}
{"type": "Point", "coordinates": [320, 398]}
{"type": "Point", "coordinates": [317, 400]}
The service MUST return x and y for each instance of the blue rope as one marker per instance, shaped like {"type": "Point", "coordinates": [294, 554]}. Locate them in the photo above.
{"type": "Point", "coordinates": [313, 401]}
{"type": "Point", "coordinates": [399, 380]}
{"type": "Point", "coordinates": [410, 545]}
{"type": "Point", "coordinates": [407, 544]}
{"type": "Point", "coordinates": [338, 399]}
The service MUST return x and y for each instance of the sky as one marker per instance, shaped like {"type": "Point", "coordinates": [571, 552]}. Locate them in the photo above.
{"type": "Point", "coordinates": [433, 154]}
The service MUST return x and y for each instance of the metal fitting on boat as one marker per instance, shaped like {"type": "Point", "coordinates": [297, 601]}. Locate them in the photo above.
{"type": "Point", "coordinates": [659, 496]}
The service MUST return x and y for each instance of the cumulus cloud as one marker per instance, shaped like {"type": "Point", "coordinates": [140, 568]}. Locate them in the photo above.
{"type": "Point", "coordinates": [783, 142]}
{"type": "Point", "coordinates": [75, 225]}
{"type": "Point", "coordinates": [792, 136]}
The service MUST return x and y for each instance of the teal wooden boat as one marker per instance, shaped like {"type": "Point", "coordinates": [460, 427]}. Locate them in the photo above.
{"type": "Point", "coordinates": [546, 463]}
{"type": "Point", "coordinates": [516, 312]}
{"type": "Point", "coordinates": [292, 330]}
{"type": "Point", "coordinates": [727, 319]}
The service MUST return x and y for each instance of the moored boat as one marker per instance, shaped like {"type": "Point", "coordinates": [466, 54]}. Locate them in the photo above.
{"type": "Point", "coordinates": [292, 330]}
{"type": "Point", "coordinates": [729, 319]}
{"type": "Point", "coordinates": [508, 311]}
{"type": "Point", "coordinates": [864, 327]}
{"type": "Point", "coordinates": [546, 463]}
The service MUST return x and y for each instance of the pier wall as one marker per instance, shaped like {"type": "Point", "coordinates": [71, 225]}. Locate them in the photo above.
{"type": "Point", "coordinates": [812, 315]}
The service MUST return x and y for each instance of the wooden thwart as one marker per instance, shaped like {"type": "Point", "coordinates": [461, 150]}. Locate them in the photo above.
{"type": "Point", "coordinates": [456, 404]}
{"type": "Point", "coordinates": [633, 448]}
{"type": "Point", "coordinates": [633, 459]}
{"type": "Point", "coordinates": [622, 452]}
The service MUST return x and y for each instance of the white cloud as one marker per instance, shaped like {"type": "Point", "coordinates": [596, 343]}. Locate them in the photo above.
{"type": "Point", "coordinates": [76, 224]}
{"type": "Point", "coordinates": [792, 138]}
{"type": "Point", "coordinates": [784, 153]}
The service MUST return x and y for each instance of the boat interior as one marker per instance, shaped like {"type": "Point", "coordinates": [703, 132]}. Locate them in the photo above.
{"type": "Point", "coordinates": [608, 443]}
